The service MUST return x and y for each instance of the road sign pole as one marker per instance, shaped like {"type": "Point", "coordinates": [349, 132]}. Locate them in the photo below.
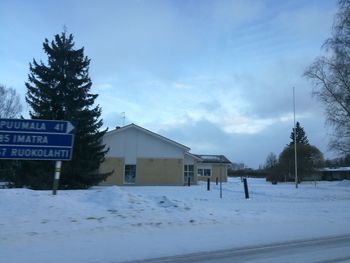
{"type": "Point", "coordinates": [57, 176]}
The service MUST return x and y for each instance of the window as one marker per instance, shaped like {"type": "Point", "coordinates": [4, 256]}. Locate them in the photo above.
{"type": "Point", "coordinates": [188, 172]}
{"type": "Point", "coordinates": [130, 174]}
{"type": "Point", "coordinates": [207, 172]}
{"type": "Point", "coordinates": [200, 172]}
{"type": "Point", "coordinates": [204, 172]}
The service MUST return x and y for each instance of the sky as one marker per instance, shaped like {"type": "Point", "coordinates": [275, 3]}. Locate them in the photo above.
{"type": "Point", "coordinates": [216, 76]}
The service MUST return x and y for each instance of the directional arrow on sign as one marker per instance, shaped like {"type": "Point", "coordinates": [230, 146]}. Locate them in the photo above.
{"type": "Point", "coordinates": [40, 126]}
{"type": "Point", "coordinates": [70, 127]}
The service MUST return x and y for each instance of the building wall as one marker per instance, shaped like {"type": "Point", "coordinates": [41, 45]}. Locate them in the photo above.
{"type": "Point", "coordinates": [203, 166]}
{"type": "Point", "coordinates": [216, 169]}
{"type": "Point", "coordinates": [133, 143]}
{"type": "Point", "coordinates": [152, 171]}
{"type": "Point", "coordinates": [335, 175]}
{"type": "Point", "coordinates": [117, 166]}
{"type": "Point", "coordinates": [149, 171]}
{"type": "Point", "coordinates": [189, 160]}
{"type": "Point", "coordinates": [158, 162]}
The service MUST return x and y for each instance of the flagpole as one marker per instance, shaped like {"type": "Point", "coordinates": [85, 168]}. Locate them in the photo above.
{"type": "Point", "coordinates": [295, 144]}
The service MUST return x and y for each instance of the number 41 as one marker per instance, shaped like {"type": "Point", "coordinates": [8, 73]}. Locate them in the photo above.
{"type": "Point", "coordinates": [59, 127]}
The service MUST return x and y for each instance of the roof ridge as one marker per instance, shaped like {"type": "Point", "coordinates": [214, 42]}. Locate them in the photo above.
{"type": "Point", "coordinates": [149, 132]}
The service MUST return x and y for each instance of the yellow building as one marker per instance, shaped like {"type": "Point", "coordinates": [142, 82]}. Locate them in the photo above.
{"type": "Point", "coordinates": [138, 156]}
{"type": "Point", "coordinates": [213, 167]}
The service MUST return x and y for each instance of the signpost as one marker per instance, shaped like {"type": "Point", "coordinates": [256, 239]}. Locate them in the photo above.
{"type": "Point", "coordinates": [22, 139]}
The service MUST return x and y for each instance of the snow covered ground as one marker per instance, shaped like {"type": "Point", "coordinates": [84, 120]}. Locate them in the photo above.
{"type": "Point", "coordinates": [114, 224]}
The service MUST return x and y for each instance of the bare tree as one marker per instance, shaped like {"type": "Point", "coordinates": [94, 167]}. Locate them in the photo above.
{"type": "Point", "coordinates": [271, 161]}
{"type": "Point", "coordinates": [330, 75]}
{"type": "Point", "coordinates": [10, 105]}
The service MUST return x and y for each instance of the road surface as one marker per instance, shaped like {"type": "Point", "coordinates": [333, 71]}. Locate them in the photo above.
{"type": "Point", "coordinates": [322, 250]}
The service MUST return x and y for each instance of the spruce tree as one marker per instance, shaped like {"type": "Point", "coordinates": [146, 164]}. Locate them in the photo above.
{"type": "Point", "coordinates": [60, 90]}
{"type": "Point", "coordinates": [300, 135]}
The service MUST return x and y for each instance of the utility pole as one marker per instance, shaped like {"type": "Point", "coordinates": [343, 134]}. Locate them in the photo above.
{"type": "Point", "coordinates": [295, 144]}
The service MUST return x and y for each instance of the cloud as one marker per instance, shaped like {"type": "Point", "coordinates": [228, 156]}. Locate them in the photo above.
{"type": "Point", "coordinates": [205, 137]}
{"type": "Point", "coordinates": [217, 75]}
{"type": "Point", "coordinates": [228, 15]}
{"type": "Point", "coordinates": [178, 85]}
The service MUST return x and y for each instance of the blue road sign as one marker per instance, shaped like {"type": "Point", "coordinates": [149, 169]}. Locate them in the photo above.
{"type": "Point", "coordinates": [44, 139]}
{"type": "Point", "coordinates": [36, 139]}
{"type": "Point", "coordinates": [35, 153]}
{"type": "Point", "coordinates": [40, 126]}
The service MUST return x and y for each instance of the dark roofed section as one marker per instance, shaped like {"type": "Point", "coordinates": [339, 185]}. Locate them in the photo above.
{"type": "Point", "coordinates": [213, 158]}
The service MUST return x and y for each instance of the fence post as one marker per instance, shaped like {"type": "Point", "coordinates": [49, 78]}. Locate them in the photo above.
{"type": "Point", "coordinates": [217, 181]}
{"type": "Point", "coordinates": [189, 181]}
{"type": "Point", "coordinates": [208, 184]}
{"type": "Point", "coordinates": [246, 188]}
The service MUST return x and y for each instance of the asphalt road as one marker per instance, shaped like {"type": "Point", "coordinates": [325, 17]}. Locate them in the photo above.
{"type": "Point", "coordinates": [321, 250]}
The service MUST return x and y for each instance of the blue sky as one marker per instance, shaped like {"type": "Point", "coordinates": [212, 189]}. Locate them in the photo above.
{"type": "Point", "coordinates": [216, 76]}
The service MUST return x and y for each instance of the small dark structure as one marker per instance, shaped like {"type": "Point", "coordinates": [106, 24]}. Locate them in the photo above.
{"type": "Point", "coordinates": [334, 174]}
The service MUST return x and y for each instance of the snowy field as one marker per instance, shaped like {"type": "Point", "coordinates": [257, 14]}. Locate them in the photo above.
{"type": "Point", "coordinates": [115, 224]}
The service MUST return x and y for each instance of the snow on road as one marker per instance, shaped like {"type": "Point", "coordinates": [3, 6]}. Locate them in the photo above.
{"type": "Point", "coordinates": [320, 250]}
{"type": "Point", "coordinates": [114, 224]}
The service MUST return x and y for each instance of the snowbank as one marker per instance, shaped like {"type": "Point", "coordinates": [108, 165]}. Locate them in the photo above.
{"type": "Point", "coordinates": [123, 223]}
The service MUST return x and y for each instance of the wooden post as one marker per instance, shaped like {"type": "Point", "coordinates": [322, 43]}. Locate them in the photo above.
{"type": "Point", "coordinates": [246, 188]}
{"type": "Point", "coordinates": [220, 182]}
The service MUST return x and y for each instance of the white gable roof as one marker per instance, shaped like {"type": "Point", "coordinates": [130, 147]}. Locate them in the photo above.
{"type": "Point", "coordinates": [160, 137]}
